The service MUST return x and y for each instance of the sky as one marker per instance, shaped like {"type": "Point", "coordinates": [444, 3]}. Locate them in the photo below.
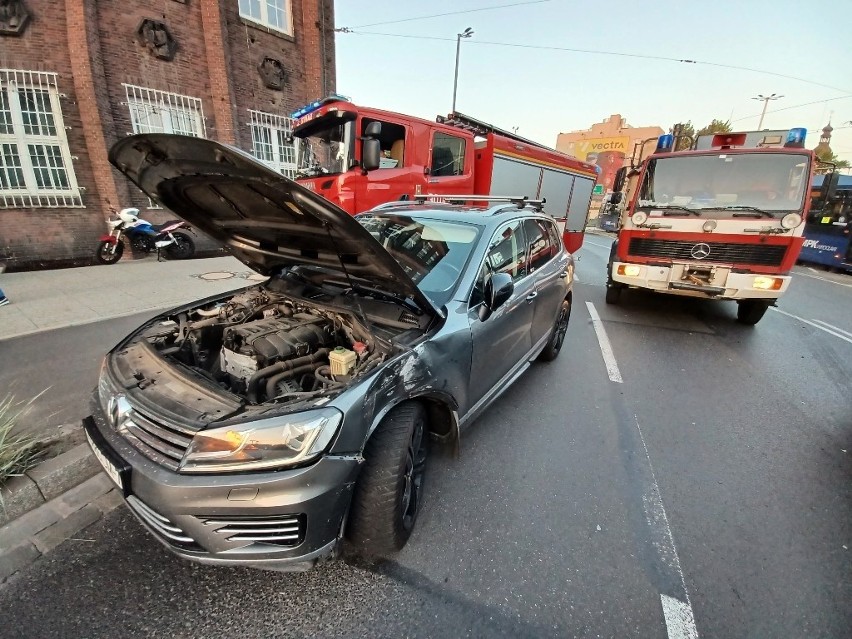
{"type": "Point", "coordinates": [800, 50]}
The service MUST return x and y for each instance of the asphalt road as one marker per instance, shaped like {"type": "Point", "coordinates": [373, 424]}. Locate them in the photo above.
{"type": "Point", "coordinates": [706, 493]}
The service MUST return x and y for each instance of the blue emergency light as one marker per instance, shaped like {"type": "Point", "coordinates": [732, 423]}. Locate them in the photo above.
{"type": "Point", "coordinates": [316, 104]}
{"type": "Point", "coordinates": [796, 138]}
{"type": "Point", "coordinates": [665, 143]}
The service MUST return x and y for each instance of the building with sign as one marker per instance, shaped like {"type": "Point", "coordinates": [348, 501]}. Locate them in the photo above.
{"type": "Point", "coordinates": [609, 145]}
{"type": "Point", "coordinates": [77, 76]}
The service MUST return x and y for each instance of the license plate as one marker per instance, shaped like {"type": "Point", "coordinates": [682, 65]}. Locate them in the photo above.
{"type": "Point", "coordinates": [109, 468]}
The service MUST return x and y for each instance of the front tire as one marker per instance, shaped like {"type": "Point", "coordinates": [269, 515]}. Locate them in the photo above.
{"type": "Point", "coordinates": [388, 493]}
{"type": "Point", "coordinates": [750, 312]}
{"type": "Point", "coordinates": [182, 249]}
{"type": "Point", "coordinates": [557, 337]}
{"type": "Point", "coordinates": [613, 294]}
{"type": "Point", "coordinates": [109, 252]}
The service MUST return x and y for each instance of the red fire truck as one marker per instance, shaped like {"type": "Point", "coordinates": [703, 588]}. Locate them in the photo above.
{"type": "Point", "coordinates": [361, 157]}
{"type": "Point", "coordinates": [722, 220]}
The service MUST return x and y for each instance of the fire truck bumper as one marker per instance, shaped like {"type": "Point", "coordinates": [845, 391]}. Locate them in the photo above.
{"type": "Point", "coordinates": [718, 282]}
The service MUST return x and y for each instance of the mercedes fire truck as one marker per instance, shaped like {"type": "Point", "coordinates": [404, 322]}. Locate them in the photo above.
{"type": "Point", "coordinates": [722, 220]}
{"type": "Point", "coordinates": [360, 157]}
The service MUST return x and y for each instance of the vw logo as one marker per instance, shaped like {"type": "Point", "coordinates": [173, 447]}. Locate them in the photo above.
{"type": "Point", "coordinates": [117, 410]}
{"type": "Point", "coordinates": [700, 251]}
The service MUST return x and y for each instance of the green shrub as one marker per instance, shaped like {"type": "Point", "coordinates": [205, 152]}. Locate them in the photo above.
{"type": "Point", "coordinates": [18, 452]}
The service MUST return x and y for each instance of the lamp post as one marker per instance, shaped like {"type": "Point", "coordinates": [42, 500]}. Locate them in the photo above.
{"type": "Point", "coordinates": [465, 34]}
{"type": "Point", "coordinates": [765, 99]}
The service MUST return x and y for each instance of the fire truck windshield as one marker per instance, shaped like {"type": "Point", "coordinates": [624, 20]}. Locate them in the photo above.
{"type": "Point", "coordinates": [324, 148]}
{"type": "Point", "coordinates": [734, 183]}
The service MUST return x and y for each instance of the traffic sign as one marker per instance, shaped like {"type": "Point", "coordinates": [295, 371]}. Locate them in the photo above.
{"type": "Point", "coordinates": [598, 190]}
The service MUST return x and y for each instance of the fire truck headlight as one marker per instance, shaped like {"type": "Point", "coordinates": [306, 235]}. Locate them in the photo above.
{"type": "Point", "coordinates": [629, 270]}
{"type": "Point", "coordinates": [709, 226]}
{"type": "Point", "coordinates": [768, 283]}
{"type": "Point", "coordinates": [791, 220]}
{"type": "Point", "coordinates": [639, 218]}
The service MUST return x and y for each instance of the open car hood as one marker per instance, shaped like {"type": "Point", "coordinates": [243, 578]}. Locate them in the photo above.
{"type": "Point", "coordinates": [264, 219]}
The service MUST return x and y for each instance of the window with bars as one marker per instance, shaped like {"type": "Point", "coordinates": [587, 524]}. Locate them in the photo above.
{"type": "Point", "coordinates": [273, 14]}
{"type": "Point", "coordinates": [153, 111]}
{"type": "Point", "coordinates": [270, 141]}
{"type": "Point", "coordinates": [35, 161]}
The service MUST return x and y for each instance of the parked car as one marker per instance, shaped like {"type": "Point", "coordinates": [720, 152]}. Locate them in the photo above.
{"type": "Point", "coordinates": [265, 426]}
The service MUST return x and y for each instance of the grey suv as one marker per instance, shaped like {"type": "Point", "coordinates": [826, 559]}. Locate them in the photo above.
{"type": "Point", "coordinates": [265, 426]}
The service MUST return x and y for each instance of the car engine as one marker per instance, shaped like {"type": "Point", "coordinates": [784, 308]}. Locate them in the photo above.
{"type": "Point", "coordinates": [269, 348]}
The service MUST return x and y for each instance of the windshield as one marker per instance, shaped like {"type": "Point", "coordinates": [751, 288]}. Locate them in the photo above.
{"type": "Point", "coordinates": [727, 182]}
{"type": "Point", "coordinates": [433, 253]}
{"type": "Point", "coordinates": [327, 150]}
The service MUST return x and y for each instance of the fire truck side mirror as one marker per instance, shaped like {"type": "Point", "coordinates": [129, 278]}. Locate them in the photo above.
{"type": "Point", "coordinates": [370, 154]}
{"type": "Point", "coordinates": [829, 187]}
{"type": "Point", "coordinates": [620, 177]}
{"type": "Point", "coordinates": [373, 130]}
{"type": "Point", "coordinates": [615, 197]}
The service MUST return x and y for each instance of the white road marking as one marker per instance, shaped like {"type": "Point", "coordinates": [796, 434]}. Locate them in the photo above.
{"type": "Point", "coordinates": [680, 620]}
{"type": "Point", "coordinates": [824, 279]}
{"type": "Point", "coordinates": [606, 246]}
{"type": "Point", "coordinates": [606, 347]}
{"type": "Point", "coordinates": [833, 327]}
{"type": "Point", "coordinates": [811, 269]}
{"type": "Point", "coordinates": [814, 324]}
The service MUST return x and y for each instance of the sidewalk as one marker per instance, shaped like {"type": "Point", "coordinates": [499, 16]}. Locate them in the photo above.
{"type": "Point", "coordinates": [46, 300]}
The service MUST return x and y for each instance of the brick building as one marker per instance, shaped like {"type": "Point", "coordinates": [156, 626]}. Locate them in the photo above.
{"type": "Point", "coordinates": [75, 76]}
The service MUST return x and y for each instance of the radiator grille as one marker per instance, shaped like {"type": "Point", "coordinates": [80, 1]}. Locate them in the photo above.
{"type": "Point", "coordinates": [725, 252]}
{"type": "Point", "coordinates": [164, 444]}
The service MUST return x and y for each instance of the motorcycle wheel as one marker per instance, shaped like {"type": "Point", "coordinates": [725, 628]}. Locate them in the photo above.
{"type": "Point", "coordinates": [106, 255]}
{"type": "Point", "coordinates": [182, 249]}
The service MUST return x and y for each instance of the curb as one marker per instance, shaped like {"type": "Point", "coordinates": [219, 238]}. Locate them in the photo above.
{"type": "Point", "coordinates": [51, 502]}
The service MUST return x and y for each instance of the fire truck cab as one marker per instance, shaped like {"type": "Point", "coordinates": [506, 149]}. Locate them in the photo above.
{"type": "Point", "coordinates": [361, 157]}
{"type": "Point", "coordinates": [722, 220]}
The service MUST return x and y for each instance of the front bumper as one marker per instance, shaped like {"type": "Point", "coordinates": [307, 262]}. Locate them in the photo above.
{"type": "Point", "coordinates": [722, 284]}
{"type": "Point", "coordinates": [283, 520]}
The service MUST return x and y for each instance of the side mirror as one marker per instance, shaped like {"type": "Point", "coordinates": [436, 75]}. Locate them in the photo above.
{"type": "Point", "coordinates": [498, 288]}
{"type": "Point", "coordinates": [615, 197]}
{"type": "Point", "coordinates": [373, 130]}
{"type": "Point", "coordinates": [371, 153]}
{"type": "Point", "coordinates": [829, 186]}
{"type": "Point", "coordinates": [620, 177]}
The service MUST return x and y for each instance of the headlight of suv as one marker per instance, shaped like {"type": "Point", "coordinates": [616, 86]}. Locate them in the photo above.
{"type": "Point", "coordinates": [267, 443]}
{"type": "Point", "coordinates": [106, 389]}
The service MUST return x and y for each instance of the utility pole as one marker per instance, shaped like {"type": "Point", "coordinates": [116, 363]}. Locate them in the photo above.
{"type": "Point", "coordinates": [765, 99]}
{"type": "Point", "coordinates": [465, 34]}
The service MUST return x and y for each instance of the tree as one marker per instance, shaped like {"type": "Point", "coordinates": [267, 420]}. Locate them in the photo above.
{"type": "Point", "coordinates": [827, 155]}
{"type": "Point", "coordinates": [715, 126]}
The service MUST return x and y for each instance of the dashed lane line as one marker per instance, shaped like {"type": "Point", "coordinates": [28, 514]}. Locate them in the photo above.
{"type": "Point", "coordinates": [828, 328]}
{"type": "Point", "coordinates": [606, 348]}
{"type": "Point", "coordinates": [824, 279]}
{"type": "Point", "coordinates": [833, 327]}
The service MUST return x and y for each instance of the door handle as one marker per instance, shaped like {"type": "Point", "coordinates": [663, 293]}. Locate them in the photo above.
{"type": "Point", "coordinates": [532, 296]}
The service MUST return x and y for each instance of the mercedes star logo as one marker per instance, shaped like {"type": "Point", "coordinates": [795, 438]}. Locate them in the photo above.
{"type": "Point", "coordinates": [700, 251]}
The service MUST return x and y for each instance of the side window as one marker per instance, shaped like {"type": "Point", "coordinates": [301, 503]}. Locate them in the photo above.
{"type": "Point", "coordinates": [391, 141]}
{"type": "Point", "coordinates": [541, 246]}
{"type": "Point", "coordinates": [553, 230]}
{"type": "Point", "coordinates": [507, 253]}
{"type": "Point", "coordinates": [447, 155]}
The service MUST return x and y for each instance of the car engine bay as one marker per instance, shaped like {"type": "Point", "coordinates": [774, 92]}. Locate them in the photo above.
{"type": "Point", "coordinates": [266, 347]}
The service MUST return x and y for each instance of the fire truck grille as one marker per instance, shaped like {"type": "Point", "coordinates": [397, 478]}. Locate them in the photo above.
{"type": "Point", "coordinates": [725, 252]}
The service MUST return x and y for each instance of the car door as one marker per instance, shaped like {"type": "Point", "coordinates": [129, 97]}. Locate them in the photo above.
{"type": "Point", "coordinates": [546, 263]}
{"type": "Point", "coordinates": [502, 341]}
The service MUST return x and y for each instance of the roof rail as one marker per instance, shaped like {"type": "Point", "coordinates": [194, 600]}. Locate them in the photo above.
{"type": "Point", "coordinates": [518, 200]}
{"type": "Point", "coordinates": [478, 127]}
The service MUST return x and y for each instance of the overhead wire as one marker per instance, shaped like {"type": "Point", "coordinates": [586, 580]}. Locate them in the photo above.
{"type": "Point", "coordinates": [449, 13]}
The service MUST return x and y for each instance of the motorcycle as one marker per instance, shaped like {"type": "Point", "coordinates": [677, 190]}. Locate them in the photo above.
{"type": "Point", "coordinates": [144, 237]}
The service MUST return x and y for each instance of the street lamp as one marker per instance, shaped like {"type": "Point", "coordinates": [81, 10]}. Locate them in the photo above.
{"type": "Point", "coordinates": [765, 99]}
{"type": "Point", "coordinates": [466, 34]}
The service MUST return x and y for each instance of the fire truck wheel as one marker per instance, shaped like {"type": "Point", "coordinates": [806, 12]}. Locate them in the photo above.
{"type": "Point", "coordinates": [750, 311]}
{"type": "Point", "coordinates": [613, 293]}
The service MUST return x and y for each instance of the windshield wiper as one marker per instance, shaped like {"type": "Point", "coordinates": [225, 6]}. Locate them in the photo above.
{"type": "Point", "coordinates": [387, 296]}
{"type": "Point", "coordinates": [672, 206]}
{"type": "Point", "coordinates": [742, 207]}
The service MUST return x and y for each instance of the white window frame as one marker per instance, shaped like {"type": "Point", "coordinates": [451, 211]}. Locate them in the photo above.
{"type": "Point", "coordinates": [277, 127]}
{"type": "Point", "coordinates": [34, 196]}
{"type": "Point", "coordinates": [263, 18]}
{"type": "Point", "coordinates": [166, 105]}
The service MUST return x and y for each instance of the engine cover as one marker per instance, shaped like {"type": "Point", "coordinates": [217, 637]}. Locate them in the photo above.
{"type": "Point", "coordinates": [273, 339]}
